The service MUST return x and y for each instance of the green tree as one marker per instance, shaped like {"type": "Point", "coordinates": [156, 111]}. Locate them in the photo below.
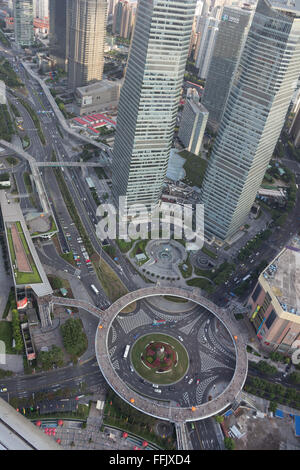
{"type": "Point", "coordinates": [229, 443]}
{"type": "Point", "coordinates": [74, 338]}
{"type": "Point", "coordinates": [219, 419]}
{"type": "Point", "coordinates": [273, 406]}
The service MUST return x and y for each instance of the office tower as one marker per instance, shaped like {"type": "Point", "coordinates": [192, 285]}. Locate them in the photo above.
{"type": "Point", "coordinates": [86, 28]}
{"type": "Point", "coordinates": [233, 30]}
{"type": "Point", "coordinates": [149, 99]}
{"type": "Point", "coordinates": [295, 128]}
{"type": "Point", "coordinates": [123, 19]}
{"type": "Point", "coordinates": [193, 122]}
{"type": "Point", "coordinates": [254, 115]}
{"type": "Point", "coordinates": [42, 9]}
{"type": "Point", "coordinates": [23, 14]}
{"type": "Point", "coordinates": [207, 28]}
{"type": "Point", "coordinates": [58, 45]}
{"type": "Point", "coordinates": [111, 7]}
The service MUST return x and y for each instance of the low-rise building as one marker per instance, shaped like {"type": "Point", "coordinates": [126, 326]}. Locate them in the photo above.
{"type": "Point", "coordinates": [99, 96]}
{"type": "Point", "coordinates": [275, 302]}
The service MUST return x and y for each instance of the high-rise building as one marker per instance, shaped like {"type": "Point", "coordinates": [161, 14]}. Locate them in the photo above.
{"type": "Point", "coordinates": [86, 29]}
{"type": "Point", "coordinates": [254, 115]}
{"type": "Point", "coordinates": [111, 7]}
{"type": "Point", "coordinates": [149, 99]}
{"type": "Point", "coordinates": [23, 21]}
{"type": "Point", "coordinates": [233, 29]}
{"type": "Point", "coordinates": [58, 45]}
{"type": "Point", "coordinates": [41, 9]}
{"type": "Point", "coordinates": [193, 122]}
{"type": "Point", "coordinates": [208, 29]}
{"type": "Point", "coordinates": [123, 20]}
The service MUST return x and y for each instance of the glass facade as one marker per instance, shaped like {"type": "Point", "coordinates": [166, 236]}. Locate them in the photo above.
{"type": "Point", "coordinates": [23, 17]}
{"type": "Point", "coordinates": [233, 29]}
{"type": "Point", "coordinates": [57, 31]}
{"type": "Point", "coordinates": [149, 99]}
{"type": "Point", "coordinates": [86, 30]}
{"type": "Point", "coordinates": [254, 115]}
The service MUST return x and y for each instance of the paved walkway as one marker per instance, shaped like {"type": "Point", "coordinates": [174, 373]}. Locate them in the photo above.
{"type": "Point", "coordinates": [13, 362]}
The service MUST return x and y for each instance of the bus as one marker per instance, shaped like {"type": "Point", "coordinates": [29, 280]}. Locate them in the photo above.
{"type": "Point", "coordinates": [94, 289]}
{"type": "Point", "coordinates": [126, 351]}
{"type": "Point", "coordinates": [246, 277]}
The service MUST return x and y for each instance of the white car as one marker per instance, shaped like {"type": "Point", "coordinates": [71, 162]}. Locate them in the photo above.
{"type": "Point", "coordinates": [181, 339]}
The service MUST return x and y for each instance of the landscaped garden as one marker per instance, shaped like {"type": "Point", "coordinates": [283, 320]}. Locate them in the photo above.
{"type": "Point", "coordinates": [159, 358]}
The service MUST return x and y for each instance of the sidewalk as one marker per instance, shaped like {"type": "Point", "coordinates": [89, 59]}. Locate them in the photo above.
{"type": "Point", "coordinates": [279, 365]}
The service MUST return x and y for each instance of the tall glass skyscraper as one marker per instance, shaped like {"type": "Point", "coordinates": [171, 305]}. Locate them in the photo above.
{"type": "Point", "coordinates": [57, 33]}
{"type": "Point", "coordinates": [233, 29]}
{"type": "Point", "coordinates": [253, 118]}
{"type": "Point", "coordinates": [86, 31]}
{"type": "Point", "coordinates": [23, 17]}
{"type": "Point", "coordinates": [149, 98]}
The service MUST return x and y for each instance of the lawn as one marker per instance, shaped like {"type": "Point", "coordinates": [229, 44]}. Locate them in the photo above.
{"type": "Point", "coordinates": [202, 283]}
{"type": "Point", "coordinates": [6, 335]}
{"type": "Point", "coordinates": [209, 253]}
{"type": "Point", "coordinates": [174, 374]}
{"type": "Point", "coordinates": [21, 277]}
{"type": "Point", "coordinates": [112, 285]}
{"type": "Point", "coordinates": [139, 248]}
{"type": "Point", "coordinates": [194, 167]}
{"type": "Point", "coordinates": [123, 245]}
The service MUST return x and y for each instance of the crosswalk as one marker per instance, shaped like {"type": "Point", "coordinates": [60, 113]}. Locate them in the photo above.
{"type": "Point", "coordinates": [113, 335]}
{"type": "Point", "coordinates": [131, 322]}
{"type": "Point", "coordinates": [208, 362]}
{"type": "Point", "coordinates": [112, 351]}
{"type": "Point", "coordinates": [186, 398]}
{"type": "Point", "coordinates": [116, 365]}
{"type": "Point", "coordinates": [201, 389]}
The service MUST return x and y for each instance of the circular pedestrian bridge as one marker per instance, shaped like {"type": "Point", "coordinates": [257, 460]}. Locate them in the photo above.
{"type": "Point", "coordinates": [163, 409]}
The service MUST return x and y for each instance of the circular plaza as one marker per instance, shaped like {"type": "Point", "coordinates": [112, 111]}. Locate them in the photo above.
{"type": "Point", "coordinates": [179, 360]}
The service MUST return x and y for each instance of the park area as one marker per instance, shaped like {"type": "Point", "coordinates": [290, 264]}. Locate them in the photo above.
{"type": "Point", "coordinates": [159, 358]}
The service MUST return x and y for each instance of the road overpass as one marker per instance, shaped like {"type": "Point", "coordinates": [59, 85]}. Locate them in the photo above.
{"type": "Point", "coordinates": [100, 163]}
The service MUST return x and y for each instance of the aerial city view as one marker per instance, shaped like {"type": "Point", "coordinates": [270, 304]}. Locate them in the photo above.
{"type": "Point", "coordinates": [150, 226]}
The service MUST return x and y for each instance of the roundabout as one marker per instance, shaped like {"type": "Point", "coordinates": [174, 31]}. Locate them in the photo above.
{"type": "Point", "coordinates": [212, 370]}
{"type": "Point", "coordinates": [159, 358]}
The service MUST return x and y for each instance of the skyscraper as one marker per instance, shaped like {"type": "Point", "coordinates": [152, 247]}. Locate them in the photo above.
{"type": "Point", "coordinates": [124, 14]}
{"type": "Point", "coordinates": [58, 45]}
{"type": "Point", "coordinates": [233, 29]}
{"type": "Point", "coordinates": [207, 28]}
{"type": "Point", "coordinates": [86, 29]}
{"type": "Point", "coordinates": [42, 8]}
{"type": "Point", "coordinates": [149, 98]}
{"type": "Point", "coordinates": [23, 14]}
{"type": "Point", "coordinates": [253, 118]}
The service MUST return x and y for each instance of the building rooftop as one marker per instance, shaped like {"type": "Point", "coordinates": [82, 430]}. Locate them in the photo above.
{"type": "Point", "coordinates": [283, 277]}
{"type": "Point", "coordinates": [290, 6]}
{"type": "Point", "coordinates": [12, 214]}
{"type": "Point", "coordinates": [100, 85]}
{"type": "Point", "coordinates": [18, 433]}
